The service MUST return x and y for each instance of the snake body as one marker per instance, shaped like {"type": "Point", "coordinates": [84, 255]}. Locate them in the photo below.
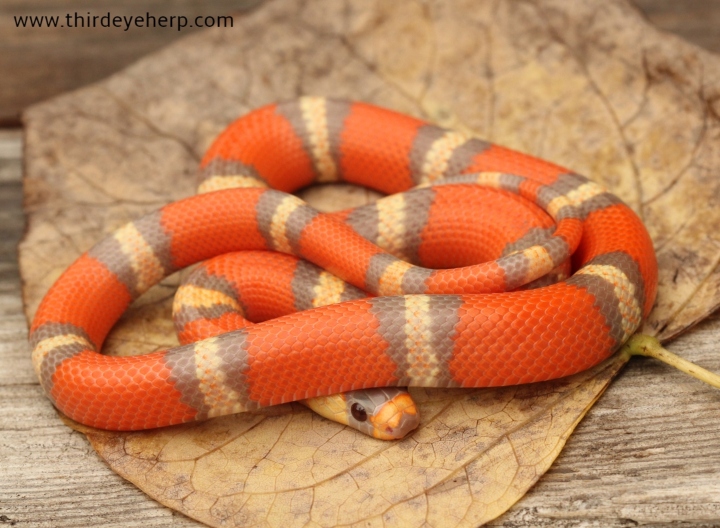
{"type": "Point", "coordinates": [231, 291]}
{"type": "Point", "coordinates": [476, 325]}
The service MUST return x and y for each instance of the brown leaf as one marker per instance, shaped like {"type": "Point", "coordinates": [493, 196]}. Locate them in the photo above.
{"type": "Point", "coordinates": [475, 454]}
{"type": "Point", "coordinates": [587, 85]}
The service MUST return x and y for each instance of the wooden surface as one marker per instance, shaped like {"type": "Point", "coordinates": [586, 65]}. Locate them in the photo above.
{"type": "Point", "coordinates": [36, 63]}
{"type": "Point", "coordinates": [694, 20]}
{"type": "Point", "coordinates": [647, 453]}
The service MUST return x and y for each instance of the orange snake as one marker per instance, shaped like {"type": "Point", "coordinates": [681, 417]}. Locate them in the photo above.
{"type": "Point", "coordinates": [452, 308]}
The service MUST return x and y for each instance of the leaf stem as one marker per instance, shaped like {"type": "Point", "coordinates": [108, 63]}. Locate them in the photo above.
{"type": "Point", "coordinates": [644, 345]}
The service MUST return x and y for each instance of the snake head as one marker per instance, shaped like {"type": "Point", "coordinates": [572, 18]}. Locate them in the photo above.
{"type": "Point", "coordinates": [390, 412]}
{"type": "Point", "coordinates": [386, 413]}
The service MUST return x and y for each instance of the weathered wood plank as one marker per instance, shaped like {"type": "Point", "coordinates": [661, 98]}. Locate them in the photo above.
{"type": "Point", "coordinates": [13, 334]}
{"type": "Point", "coordinates": [694, 20]}
{"type": "Point", "coordinates": [36, 63]}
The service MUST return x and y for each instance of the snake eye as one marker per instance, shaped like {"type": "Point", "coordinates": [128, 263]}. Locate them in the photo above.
{"type": "Point", "coordinates": [358, 412]}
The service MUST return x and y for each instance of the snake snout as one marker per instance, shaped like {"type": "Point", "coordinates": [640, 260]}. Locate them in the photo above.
{"type": "Point", "coordinates": [398, 417]}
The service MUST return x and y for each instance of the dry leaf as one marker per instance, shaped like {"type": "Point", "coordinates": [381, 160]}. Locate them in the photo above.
{"type": "Point", "coordinates": [476, 452]}
{"type": "Point", "coordinates": [587, 85]}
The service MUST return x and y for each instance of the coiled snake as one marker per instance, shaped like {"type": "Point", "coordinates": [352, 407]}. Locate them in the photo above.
{"type": "Point", "coordinates": [469, 322]}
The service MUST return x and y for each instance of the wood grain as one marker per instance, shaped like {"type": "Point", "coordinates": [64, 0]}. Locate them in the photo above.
{"type": "Point", "coordinates": [647, 453]}
{"type": "Point", "coordinates": [694, 20]}
{"type": "Point", "coordinates": [37, 63]}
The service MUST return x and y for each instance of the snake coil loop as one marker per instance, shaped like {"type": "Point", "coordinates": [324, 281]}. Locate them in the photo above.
{"type": "Point", "coordinates": [475, 325]}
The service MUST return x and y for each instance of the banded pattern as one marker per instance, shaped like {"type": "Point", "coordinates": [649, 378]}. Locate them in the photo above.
{"type": "Point", "coordinates": [216, 297]}
{"type": "Point", "coordinates": [465, 312]}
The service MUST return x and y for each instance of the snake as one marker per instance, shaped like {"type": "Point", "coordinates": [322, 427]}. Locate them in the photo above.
{"type": "Point", "coordinates": [461, 300]}
{"type": "Point", "coordinates": [230, 291]}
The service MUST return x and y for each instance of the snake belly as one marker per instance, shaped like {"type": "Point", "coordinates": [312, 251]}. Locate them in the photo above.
{"type": "Point", "coordinates": [472, 326]}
